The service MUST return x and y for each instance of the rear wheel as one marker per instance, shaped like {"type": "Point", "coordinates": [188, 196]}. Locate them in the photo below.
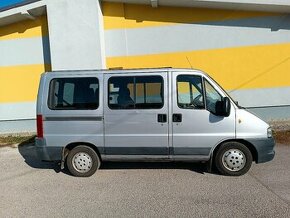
{"type": "Point", "coordinates": [233, 159]}
{"type": "Point", "coordinates": [82, 161]}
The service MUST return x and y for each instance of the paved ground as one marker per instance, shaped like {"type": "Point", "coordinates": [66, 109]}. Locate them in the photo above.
{"type": "Point", "coordinates": [29, 188]}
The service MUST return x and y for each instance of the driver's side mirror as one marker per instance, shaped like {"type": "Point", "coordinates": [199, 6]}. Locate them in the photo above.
{"type": "Point", "coordinates": [223, 107]}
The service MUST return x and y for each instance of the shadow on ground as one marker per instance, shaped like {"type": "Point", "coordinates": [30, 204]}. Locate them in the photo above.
{"type": "Point", "coordinates": [195, 167]}
{"type": "Point", "coordinates": [28, 152]}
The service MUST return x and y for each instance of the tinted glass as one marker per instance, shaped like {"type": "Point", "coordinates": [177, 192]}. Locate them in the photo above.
{"type": "Point", "coordinates": [190, 92]}
{"type": "Point", "coordinates": [141, 92]}
{"type": "Point", "coordinates": [74, 94]}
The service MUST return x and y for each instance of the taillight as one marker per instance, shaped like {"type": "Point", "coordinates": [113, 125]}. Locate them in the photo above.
{"type": "Point", "coordinates": [39, 123]}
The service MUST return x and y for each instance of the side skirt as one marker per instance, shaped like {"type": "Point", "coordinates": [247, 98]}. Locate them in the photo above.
{"type": "Point", "coordinates": [151, 158]}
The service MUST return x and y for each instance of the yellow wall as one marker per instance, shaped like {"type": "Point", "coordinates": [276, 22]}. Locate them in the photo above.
{"type": "Point", "coordinates": [118, 16]}
{"type": "Point", "coordinates": [20, 83]}
{"type": "Point", "coordinates": [234, 68]}
{"type": "Point", "coordinates": [25, 29]}
{"type": "Point", "coordinates": [246, 67]}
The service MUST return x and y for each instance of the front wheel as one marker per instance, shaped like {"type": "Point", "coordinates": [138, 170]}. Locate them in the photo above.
{"type": "Point", "coordinates": [233, 159]}
{"type": "Point", "coordinates": [82, 161]}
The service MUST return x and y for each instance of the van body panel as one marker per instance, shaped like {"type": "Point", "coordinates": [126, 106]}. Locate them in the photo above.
{"type": "Point", "coordinates": [250, 126]}
{"type": "Point", "coordinates": [63, 127]}
{"type": "Point", "coordinates": [47, 153]}
{"type": "Point", "coordinates": [254, 130]}
{"type": "Point", "coordinates": [41, 91]}
{"type": "Point", "coordinates": [136, 131]}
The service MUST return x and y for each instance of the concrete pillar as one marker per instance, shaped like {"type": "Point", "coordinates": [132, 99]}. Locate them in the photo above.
{"type": "Point", "coordinates": [76, 34]}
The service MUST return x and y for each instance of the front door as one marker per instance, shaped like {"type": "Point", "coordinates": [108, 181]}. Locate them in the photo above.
{"type": "Point", "coordinates": [196, 130]}
{"type": "Point", "coordinates": [136, 115]}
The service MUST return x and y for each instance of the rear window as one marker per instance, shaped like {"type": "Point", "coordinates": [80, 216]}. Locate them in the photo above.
{"type": "Point", "coordinates": [74, 94]}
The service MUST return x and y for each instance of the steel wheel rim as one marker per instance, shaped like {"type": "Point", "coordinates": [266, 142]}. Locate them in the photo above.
{"type": "Point", "coordinates": [82, 162]}
{"type": "Point", "coordinates": [234, 160]}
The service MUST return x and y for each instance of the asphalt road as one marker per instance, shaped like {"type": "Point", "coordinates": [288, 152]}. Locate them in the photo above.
{"type": "Point", "coordinates": [30, 188]}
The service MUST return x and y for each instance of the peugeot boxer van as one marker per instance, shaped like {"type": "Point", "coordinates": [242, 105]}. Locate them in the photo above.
{"type": "Point", "coordinates": [87, 117]}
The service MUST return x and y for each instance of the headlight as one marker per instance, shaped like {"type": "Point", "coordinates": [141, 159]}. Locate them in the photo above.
{"type": "Point", "coordinates": [269, 132]}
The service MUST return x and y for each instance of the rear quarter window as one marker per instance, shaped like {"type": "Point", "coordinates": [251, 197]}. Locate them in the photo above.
{"type": "Point", "coordinates": [74, 93]}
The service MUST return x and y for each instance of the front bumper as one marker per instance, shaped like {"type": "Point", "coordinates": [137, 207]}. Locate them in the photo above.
{"type": "Point", "coordinates": [47, 153]}
{"type": "Point", "coordinates": [265, 149]}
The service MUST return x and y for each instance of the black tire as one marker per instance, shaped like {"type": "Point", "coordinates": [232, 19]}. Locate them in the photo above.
{"type": "Point", "coordinates": [82, 161]}
{"type": "Point", "coordinates": [233, 159]}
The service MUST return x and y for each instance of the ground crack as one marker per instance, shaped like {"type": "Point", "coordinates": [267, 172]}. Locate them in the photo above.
{"type": "Point", "coordinates": [270, 190]}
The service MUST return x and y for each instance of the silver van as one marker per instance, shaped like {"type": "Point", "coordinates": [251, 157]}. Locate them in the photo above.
{"type": "Point", "coordinates": [86, 117]}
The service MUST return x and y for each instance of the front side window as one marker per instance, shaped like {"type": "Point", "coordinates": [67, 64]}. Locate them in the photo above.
{"type": "Point", "coordinates": [212, 97]}
{"type": "Point", "coordinates": [140, 92]}
{"type": "Point", "coordinates": [74, 94]}
{"type": "Point", "coordinates": [190, 92]}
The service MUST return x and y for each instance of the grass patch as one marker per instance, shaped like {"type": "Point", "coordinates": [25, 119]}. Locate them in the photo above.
{"type": "Point", "coordinates": [16, 139]}
{"type": "Point", "coordinates": [282, 137]}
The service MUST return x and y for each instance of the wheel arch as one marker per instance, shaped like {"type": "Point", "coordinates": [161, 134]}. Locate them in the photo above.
{"type": "Point", "coordinates": [72, 145]}
{"type": "Point", "coordinates": [249, 145]}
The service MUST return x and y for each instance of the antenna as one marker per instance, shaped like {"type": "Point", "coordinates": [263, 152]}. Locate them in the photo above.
{"type": "Point", "coordinates": [189, 62]}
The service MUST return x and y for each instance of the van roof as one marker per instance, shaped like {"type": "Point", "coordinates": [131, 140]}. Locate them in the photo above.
{"type": "Point", "coordinates": [118, 70]}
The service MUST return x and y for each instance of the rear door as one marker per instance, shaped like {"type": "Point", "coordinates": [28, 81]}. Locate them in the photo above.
{"type": "Point", "coordinates": [136, 115]}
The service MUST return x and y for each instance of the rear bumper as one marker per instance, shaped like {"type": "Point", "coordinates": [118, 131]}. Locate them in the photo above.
{"type": "Point", "coordinates": [47, 153]}
{"type": "Point", "coordinates": [265, 149]}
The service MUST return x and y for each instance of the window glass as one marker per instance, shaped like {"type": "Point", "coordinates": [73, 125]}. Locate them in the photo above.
{"type": "Point", "coordinates": [212, 96]}
{"type": "Point", "coordinates": [121, 92]}
{"type": "Point", "coordinates": [74, 94]}
{"type": "Point", "coordinates": [140, 92]}
{"type": "Point", "coordinates": [68, 93]}
{"type": "Point", "coordinates": [190, 92]}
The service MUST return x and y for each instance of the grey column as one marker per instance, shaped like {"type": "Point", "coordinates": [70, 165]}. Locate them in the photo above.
{"type": "Point", "coordinates": [76, 34]}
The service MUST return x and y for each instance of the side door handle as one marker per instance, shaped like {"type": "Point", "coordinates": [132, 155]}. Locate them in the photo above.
{"type": "Point", "coordinates": [161, 118]}
{"type": "Point", "coordinates": [177, 118]}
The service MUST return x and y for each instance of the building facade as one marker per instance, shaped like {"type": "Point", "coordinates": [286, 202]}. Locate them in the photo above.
{"type": "Point", "coordinates": [245, 46]}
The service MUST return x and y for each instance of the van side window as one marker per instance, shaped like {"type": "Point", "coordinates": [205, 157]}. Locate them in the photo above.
{"type": "Point", "coordinates": [74, 94]}
{"type": "Point", "coordinates": [190, 92]}
{"type": "Point", "coordinates": [140, 92]}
